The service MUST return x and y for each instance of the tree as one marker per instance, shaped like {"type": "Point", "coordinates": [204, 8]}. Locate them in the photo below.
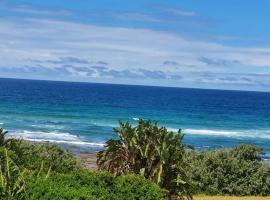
{"type": "Point", "coordinates": [151, 151]}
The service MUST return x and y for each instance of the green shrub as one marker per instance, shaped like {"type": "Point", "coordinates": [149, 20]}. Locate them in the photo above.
{"type": "Point", "coordinates": [151, 151]}
{"type": "Point", "coordinates": [30, 155]}
{"type": "Point", "coordinates": [31, 171]}
{"type": "Point", "coordinates": [91, 186]}
{"type": "Point", "coordinates": [12, 183]}
{"type": "Point", "coordinates": [236, 171]}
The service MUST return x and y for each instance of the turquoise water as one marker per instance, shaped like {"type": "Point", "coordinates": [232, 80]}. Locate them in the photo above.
{"type": "Point", "coordinates": [83, 114]}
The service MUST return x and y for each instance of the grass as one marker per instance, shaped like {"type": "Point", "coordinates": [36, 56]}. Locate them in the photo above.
{"type": "Point", "coordinates": [202, 197]}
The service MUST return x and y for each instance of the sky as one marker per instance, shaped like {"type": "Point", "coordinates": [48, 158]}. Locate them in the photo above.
{"type": "Point", "coordinates": [222, 44]}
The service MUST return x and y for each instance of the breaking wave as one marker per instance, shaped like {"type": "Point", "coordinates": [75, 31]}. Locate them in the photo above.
{"type": "Point", "coordinates": [263, 134]}
{"type": "Point", "coordinates": [53, 137]}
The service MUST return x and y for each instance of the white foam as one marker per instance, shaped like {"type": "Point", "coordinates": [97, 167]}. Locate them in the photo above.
{"type": "Point", "coordinates": [264, 134]}
{"type": "Point", "coordinates": [212, 132]}
{"type": "Point", "coordinates": [48, 126]}
{"type": "Point", "coordinates": [112, 125]}
{"type": "Point", "coordinates": [135, 119]}
{"type": "Point", "coordinates": [1, 123]}
{"type": "Point", "coordinates": [173, 129]}
{"type": "Point", "coordinates": [69, 142]}
{"type": "Point", "coordinates": [44, 135]}
{"type": "Point", "coordinates": [53, 137]}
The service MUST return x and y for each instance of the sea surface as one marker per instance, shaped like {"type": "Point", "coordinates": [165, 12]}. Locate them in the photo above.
{"type": "Point", "coordinates": [84, 114]}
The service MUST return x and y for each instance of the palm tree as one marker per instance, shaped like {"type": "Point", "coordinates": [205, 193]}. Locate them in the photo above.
{"type": "Point", "coordinates": [151, 151]}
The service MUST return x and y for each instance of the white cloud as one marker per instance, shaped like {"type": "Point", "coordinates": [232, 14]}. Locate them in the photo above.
{"type": "Point", "coordinates": [136, 17]}
{"type": "Point", "coordinates": [26, 39]}
{"type": "Point", "coordinates": [181, 12]}
{"type": "Point", "coordinates": [34, 11]}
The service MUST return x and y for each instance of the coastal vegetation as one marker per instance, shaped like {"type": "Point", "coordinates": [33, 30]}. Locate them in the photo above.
{"type": "Point", "coordinates": [204, 197]}
{"type": "Point", "coordinates": [146, 162]}
{"type": "Point", "coordinates": [159, 155]}
{"type": "Point", "coordinates": [237, 171]}
{"type": "Point", "coordinates": [45, 171]}
{"type": "Point", "coordinates": [151, 151]}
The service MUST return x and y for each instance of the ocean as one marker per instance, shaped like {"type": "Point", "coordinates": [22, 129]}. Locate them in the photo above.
{"type": "Point", "coordinates": [83, 115]}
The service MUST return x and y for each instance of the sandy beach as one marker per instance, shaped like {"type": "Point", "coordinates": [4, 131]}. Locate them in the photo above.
{"type": "Point", "coordinates": [88, 160]}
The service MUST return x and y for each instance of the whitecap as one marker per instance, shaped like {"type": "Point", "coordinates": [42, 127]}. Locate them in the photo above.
{"type": "Point", "coordinates": [105, 124]}
{"type": "Point", "coordinates": [173, 129]}
{"type": "Point", "coordinates": [53, 137]}
{"type": "Point", "coordinates": [47, 126]}
{"type": "Point", "coordinates": [263, 134]}
{"type": "Point", "coordinates": [44, 135]}
{"type": "Point", "coordinates": [92, 144]}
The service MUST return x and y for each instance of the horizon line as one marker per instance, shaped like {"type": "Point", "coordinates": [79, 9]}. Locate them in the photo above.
{"type": "Point", "coordinates": [138, 85]}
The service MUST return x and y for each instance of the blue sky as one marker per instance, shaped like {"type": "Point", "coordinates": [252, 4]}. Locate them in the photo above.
{"type": "Point", "coordinates": [220, 44]}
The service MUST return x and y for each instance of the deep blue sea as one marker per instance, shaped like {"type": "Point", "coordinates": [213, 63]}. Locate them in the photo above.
{"type": "Point", "coordinates": [84, 114]}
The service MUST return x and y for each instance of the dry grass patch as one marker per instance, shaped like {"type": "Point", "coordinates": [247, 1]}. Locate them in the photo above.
{"type": "Point", "coordinates": [229, 198]}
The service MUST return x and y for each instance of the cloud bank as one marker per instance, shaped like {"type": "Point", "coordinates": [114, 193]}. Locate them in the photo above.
{"type": "Point", "coordinates": [58, 49]}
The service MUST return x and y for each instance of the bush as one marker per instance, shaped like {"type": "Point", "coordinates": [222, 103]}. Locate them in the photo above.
{"type": "Point", "coordinates": [236, 171]}
{"type": "Point", "coordinates": [151, 151]}
{"type": "Point", "coordinates": [31, 155]}
{"type": "Point", "coordinates": [12, 185]}
{"type": "Point", "coordinates": [43, 171]}
{"type": "Point", "coordinates": [93, 185]}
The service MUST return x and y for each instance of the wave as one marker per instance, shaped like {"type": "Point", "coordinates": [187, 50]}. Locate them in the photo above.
{"type": "Point", "coordinates": [44, 135]}
{"type": "Point", "coordinates": [172, 129]}
{"type": "Point", "coordinates": [263, 134]}
{"type": "Point", "coordinates": [92, 144]}
{"type": "Point", "coordinates": [67, 138]}
{"type": "Point", "coordinates": [104, 124]}
{"type": "Point", "coordinates": [53, 137]}
{"type": "Point", "coordinates": [48, 126]}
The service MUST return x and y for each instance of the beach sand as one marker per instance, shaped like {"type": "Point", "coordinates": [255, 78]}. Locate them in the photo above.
{"type": "Point", "coordinates": [89, 160]}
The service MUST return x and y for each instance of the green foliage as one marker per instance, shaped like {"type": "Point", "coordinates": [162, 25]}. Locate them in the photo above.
{"type": "Point", "coordinates": [45, 171]}
{"type": "Point", "coordinates": [30, 156]}
{"type": "Point", "coordinates": [151, 151]}
{"type": "Point", "coordinates": [92, 186]}
{"type": "Point", "coordinates": [12, 183]}
{"type": "Point", "coordinates": [31, 171]}
{"type": "Point", "coordinates": [237, 171]}
{"type": "Point", "coordinates": [3, 140]}
{"type": "Point", "coordinates": [21, 161]}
